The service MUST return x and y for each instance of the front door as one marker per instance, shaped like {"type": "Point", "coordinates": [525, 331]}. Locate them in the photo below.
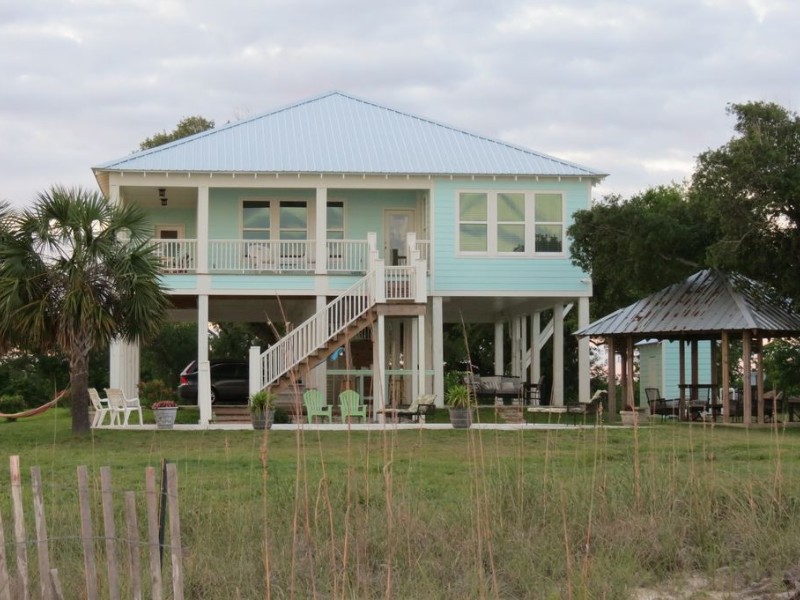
{"type": "Point", "coordinates": [397, 224]}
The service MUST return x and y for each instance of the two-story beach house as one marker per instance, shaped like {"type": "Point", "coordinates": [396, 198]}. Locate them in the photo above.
{"type": "Point", "coordinates": [349, 223]}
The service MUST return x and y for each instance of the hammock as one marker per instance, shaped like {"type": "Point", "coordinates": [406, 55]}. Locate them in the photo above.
{"type": "Point", "coordinates": [34, 411]}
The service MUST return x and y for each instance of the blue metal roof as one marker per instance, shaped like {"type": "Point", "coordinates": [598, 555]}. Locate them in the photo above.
{"type": "Point", "coordinates": [337, 133]}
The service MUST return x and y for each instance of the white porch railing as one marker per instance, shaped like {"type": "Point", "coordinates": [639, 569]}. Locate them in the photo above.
{"type": "Point", "coordinates": [315, 332]}
{"type": "Point", "coordinates": [261, 255]}
{"type": "Point", "coordinates": [347, 256]}
{"type": "Point", "coordinates": [177, 256]}
{"type": "Point", "coordinates": [276, 256]}
{"type": "Point", "coordinates": [400, 282]}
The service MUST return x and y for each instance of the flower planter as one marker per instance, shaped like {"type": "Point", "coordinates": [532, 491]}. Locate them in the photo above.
{"type": "Point", "coordinates": [263, 419]}
{"type": "Point", "coordinates": [461, 418]}
{"type": "Point", "coordinates": [165, 417]}
{"type": "Point", "coordinates": [632, 417]}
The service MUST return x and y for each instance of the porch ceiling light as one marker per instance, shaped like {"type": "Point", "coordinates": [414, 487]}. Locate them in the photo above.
{"type": "Point", "coordinates": [162, 194]}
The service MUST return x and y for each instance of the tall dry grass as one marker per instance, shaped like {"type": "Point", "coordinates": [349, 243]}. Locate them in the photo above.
{"type": "Point", "coordinates": [577, 513]}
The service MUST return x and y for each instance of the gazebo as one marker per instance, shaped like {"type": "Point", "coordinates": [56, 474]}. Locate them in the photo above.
{"type": "Point", "coordinates": [709, 305]}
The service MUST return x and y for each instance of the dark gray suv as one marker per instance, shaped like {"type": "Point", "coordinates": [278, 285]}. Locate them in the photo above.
{"type": "Point", "coordinates": [229, 381]}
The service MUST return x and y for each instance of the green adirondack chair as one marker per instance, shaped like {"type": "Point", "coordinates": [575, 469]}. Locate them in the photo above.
{"type": "Point", "coordinates": [316, 406]}
{"type": "Point", "coordinates": [350, 406]}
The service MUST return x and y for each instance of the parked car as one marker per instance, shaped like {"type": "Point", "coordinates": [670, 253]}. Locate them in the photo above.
{"type": "Point", "coordinates": [229, 381]}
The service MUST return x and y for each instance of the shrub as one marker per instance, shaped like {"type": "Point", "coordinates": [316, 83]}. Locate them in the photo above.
{"type": "Point", "coordinates": [155, 391]}
{"type": "Point", "coordinates": [12, 403]}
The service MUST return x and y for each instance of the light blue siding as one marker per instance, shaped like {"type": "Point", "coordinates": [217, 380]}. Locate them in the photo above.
{"type": "Point", "coordinates": [175, 216]}
{"type": "Point", "coordinates": [267, 284]}
{"type": "Point", "coordinates": [651, 372]}
{"type": "Point", "coordinates": [496, 274]}
{"type": "Point", "coordinates": [672, 364]}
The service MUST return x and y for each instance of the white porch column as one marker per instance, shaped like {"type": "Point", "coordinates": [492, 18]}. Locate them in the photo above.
{"type": "Point", "coordinates": [413, 352]}
{"type": "Point", "coordinates": [202, 229]}
{"type": "Point", "coordinates": [124, 367]}
{"type": "Point", "coordinates": [536, 355]}
{"type": "Point", "coordinates": [498, 348]}
{"type": "Point", "coordinates": [515, 338]}
{"type": "Point", "coordinates": [523, 345]}
{"type": "Point", "coordinates": [438, 349]}
{"type": "Point", "coordinates": [320, 373]}
{"type": "Point", "coordinates": [584, 374]}
{"type": "Point", "coordinates": [378, 368]}
{"type": "Point", "coordinates": [321, 231]}
{"type": "Point", "coordinates": [420, 355]}
{"type": "Point", "coordinates": [558, 355]}
{"type": "Point", "coordinates": [203, 368]}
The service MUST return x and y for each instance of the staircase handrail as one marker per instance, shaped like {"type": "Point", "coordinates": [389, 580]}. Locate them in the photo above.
{"type": "Point", "coordinates": [314, 332]}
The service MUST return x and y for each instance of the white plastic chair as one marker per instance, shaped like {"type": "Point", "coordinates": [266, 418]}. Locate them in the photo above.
{"type": "Point", "coordinates": [122, 406]}
{"type": "Point", "coordinates": [101, 408]}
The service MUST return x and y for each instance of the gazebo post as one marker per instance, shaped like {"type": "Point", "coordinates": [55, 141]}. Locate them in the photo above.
{"type": "Point", "coordinates": [629, 397]}
{"type": "Point", "coordinates": [759, 348]}
{"type": "Point", "coordinates": [623, 375]}
{"type": "Point", "coordinates": [713, 399]}
{"type": "Point", "coordinates": [612, 381]}
{"type": "Point", "coordinates": [695, 395]}
{"type": "Point", "coordinates": [682, 378]}
{"type": "Point", "coordinates": [726, 380]}
{"type": "Point", "coordinates": [747, 390]}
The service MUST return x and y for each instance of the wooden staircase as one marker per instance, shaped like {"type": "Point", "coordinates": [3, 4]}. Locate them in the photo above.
{"type": "Point", "coordinates": [321, 354]}
{"type": "Point", "coordinates": [229, 413]}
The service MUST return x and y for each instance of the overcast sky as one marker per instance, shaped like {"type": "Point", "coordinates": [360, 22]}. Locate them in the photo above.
{"type": "Point", "coordinates": [636, 89]}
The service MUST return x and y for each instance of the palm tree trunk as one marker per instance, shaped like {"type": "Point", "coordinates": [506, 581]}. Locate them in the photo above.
{"type": "Point", "coordinates": [79, 389]}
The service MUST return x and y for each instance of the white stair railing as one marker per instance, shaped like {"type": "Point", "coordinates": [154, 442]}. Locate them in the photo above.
{"type": "Point", "coordinates": [315, 332]}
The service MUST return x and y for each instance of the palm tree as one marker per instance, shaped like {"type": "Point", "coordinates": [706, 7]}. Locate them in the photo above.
{"type": "Point", "coordinates": [75, 272]}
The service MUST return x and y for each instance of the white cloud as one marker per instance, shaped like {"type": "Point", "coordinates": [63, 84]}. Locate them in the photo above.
{"type": "Point", "coordinates": [634, 90]}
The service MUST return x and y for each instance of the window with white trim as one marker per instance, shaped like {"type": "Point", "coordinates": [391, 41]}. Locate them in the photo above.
{"type": "Point", "coordinates": [511, 222]}
{"type": "Point", "coordinates": [293, 220]}
{"type": "Point", "coordinates": [335, 220]}
{"type": "Point", "coordinates": [473, 222]}
{"type": "Point", "coordinates": [549, 223]}
{"type": "Point", "coordinates": [256, 219]}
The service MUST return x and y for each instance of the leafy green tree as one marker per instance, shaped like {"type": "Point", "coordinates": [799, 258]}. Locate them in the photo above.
{"type": "Point", "coordinates": [750, 189]}
{"type": "Point", "coordinates": [186, 127]}
{"type": "Point", "coordinates": [782, 364]}
{"type": "Point", "coordinates": [168, 352]}
{"type": "Point", "coordinates": [75, 272]}
{"type": "Point", "coordinates": [635, 247]}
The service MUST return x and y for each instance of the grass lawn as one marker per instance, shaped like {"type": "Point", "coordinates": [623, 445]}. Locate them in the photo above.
{"type": "Point", "coordinates": [581, 513]}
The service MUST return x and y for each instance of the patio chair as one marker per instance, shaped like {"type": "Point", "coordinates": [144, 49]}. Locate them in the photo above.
{"type": "Point", "coordinates": [350, 406]}
{"type": "Point", "coordinates": [316, 406]}
{"type": "Point", "coordinates": [100, 406]}
{"type": "Point", "coordinates": [421, 407]}
{"type": "Point", "coordinates": [660, 406]}
{"type": "Point", "coordinates": [122, 407]}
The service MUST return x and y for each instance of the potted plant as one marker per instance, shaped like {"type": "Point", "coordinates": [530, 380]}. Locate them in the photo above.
{"type": "Point", "coordinates": [165, 412]}
{"type": "Point", "coordinates": [460, 402]}
{"type": "Point", "coordinates": [631, 415]}
{"type": "Point", "coordinates": [262, 409]}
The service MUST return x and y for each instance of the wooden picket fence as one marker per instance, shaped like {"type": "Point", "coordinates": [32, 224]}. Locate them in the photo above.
{"type": "Point", "coordinates": [161, 502]}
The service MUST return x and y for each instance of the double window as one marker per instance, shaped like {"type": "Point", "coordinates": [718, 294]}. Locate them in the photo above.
{"type": "Point", "coordinates": [508, 223]}
{"type": "Point", "coordinates": [258, 217]}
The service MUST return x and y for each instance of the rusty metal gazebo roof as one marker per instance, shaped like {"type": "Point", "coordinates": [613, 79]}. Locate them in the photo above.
{"type": "Point", "coordinates": [703, 305]}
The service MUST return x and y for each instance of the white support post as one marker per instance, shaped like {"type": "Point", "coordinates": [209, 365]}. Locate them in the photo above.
{"type": "Point", "coordinates": [498, 348]}
{"type": "Point", "coordinates": [515, 349]}
{"type": "Point", "coordinates": [378, 367]}
{"type": "Point", "coordinates": [321, 231]}
{"type": "Point", "coordinates": [254, 371]}
{"type": "Point", "coordinates": [536, 353]}
{"type": "Point", "coordinates": [372, 250]}
{"type": "Point", "coordinates": [420, 355]}
{"type": "Point", "coordinates": [124, 367]}
{"type": "Point", "coordinates": [380, 281]}
{"type": "Point", "coordinates": [203, 367]}
{"type": "Point", "coordinates": [584, 374]}
{"type": "Point", "coordinates": [320, 373]}
{"type": "Point", "coordinates": [558, 355]}
{"type": "Point", "coordinates": [410, 325]}
{"type": "Point", "coordinates": [523, 345]}
{"type": "Point", "coordinates": [438, 350]}
{"type": "Point", "coordinates": [202, 229]}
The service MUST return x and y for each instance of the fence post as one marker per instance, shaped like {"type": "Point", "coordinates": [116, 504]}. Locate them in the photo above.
{"type": "Point", "coordinates": [41, 533]}
{"type": "Point", "coordinates": [152, 533]}
{"type": "Point", "coordinates": [110, 532]}
{"type": "Point", "coordinates": [5, 582]}
{"type": "Point", "coordinates": [87, 538]}
{"type": "Point", "coordinates": [19, 526]}
{"type": "Point", "coordinates": [133, 545]}
{"type": "Point", "coordinates": [175, 532]}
